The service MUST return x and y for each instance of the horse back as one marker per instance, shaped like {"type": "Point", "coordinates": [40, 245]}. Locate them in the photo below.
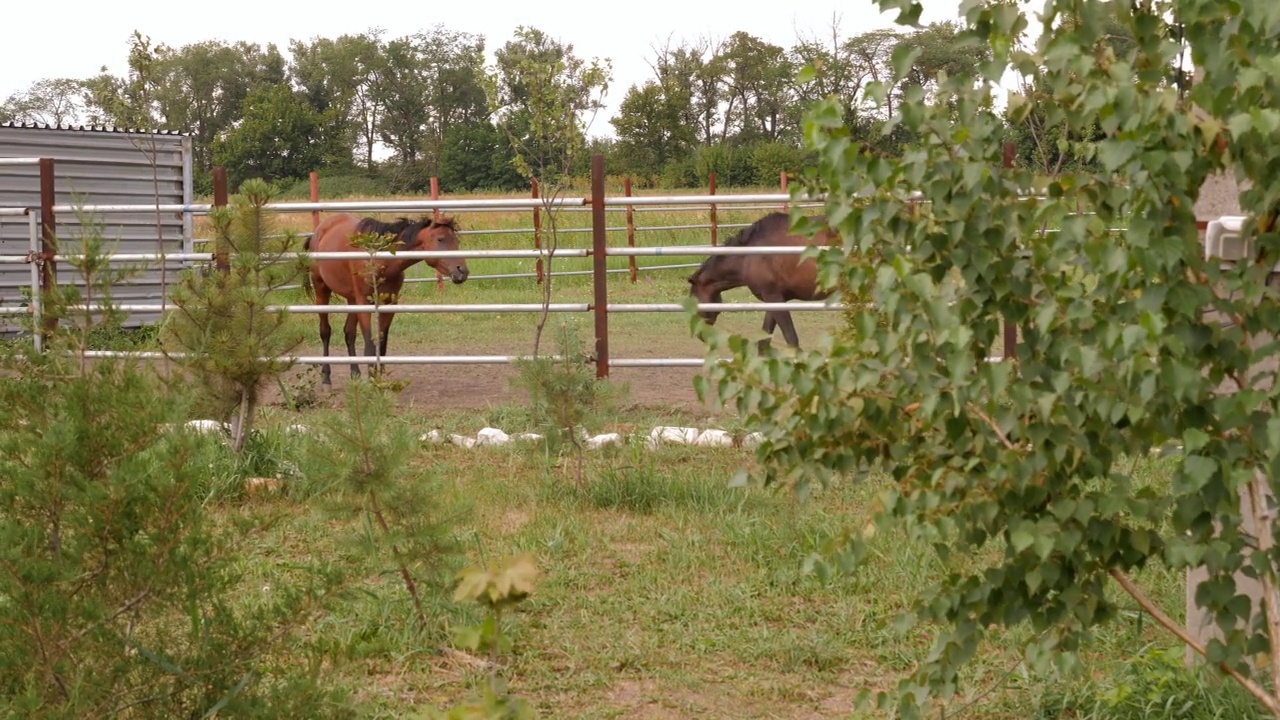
{"type": "Point", "coordinates": [333, 233]}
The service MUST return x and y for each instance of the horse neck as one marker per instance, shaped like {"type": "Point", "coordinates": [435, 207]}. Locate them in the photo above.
{"type": "Point", "coordinates": [730, 273]}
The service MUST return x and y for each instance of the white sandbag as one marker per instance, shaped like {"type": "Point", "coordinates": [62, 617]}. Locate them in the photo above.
{"type": "Point", "coordinates": [208, 426]}
{"type": "Point", "coordinates": [529, 436]}
{"type": "Point", "coordinates": [599, 441]}
{"type": "Point", "coordinates": [462, 440]}
{"type": "Point", "coordinates": [492, 436]}
{"type": "Point", "coordinates": [301, 429]}
{"type": "Point", "coordinates": [434, 436]}
{"type": "Point", "coordinates": [752, 440]}
{"type": "Point", "coordinates": [673, 435]}
{"type": "Point", "coordinates": [714, 438]}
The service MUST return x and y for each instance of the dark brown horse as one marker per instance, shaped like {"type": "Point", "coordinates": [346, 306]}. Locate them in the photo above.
{"type": "Point", "coordinates": [352, 278]}
{"type": "Point", "coordinates": [771, 278]}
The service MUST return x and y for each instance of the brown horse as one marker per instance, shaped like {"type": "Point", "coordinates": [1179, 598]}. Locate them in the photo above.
{"type": "Point", "coordinates": [771, 278]}
{"type": "Point", "coordinates": [351, 278]}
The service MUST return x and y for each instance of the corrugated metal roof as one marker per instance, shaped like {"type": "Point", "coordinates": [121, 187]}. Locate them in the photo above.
{"type": "Point", "coordinates": [90, 128]}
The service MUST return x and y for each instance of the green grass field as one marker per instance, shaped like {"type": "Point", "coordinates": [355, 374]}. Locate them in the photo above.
{"type": "Point", "coordinates": [667, 594]}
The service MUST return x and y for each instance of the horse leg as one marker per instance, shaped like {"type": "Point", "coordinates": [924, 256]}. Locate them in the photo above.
{"type": "Point", "coordinates": [326, 331]}
{"type": "Point", "coordinates": [366, 330]}
{"type": "Point", "coordinates": [788, 328]}
{"type": "Point", "coordinates": [384, 327]}
{"type": "Point", "coordinates": [349, 334]}
{"type": "Point", "coordinates": [770, 322]}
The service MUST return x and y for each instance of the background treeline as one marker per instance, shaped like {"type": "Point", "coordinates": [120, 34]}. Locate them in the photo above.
{"type": "Point", "coordinates": [376, 114]}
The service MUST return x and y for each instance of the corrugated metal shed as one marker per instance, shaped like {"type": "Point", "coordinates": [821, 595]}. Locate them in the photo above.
{"type": "Point", "coordinates": [98, 166]}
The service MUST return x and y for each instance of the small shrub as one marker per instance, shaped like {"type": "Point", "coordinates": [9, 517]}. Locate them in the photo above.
{"type": "Point", "coordinates": [221, 325]}
{"type": "Point", "coordinates": [1155, 685]}
{"type": "Point", "coordinates": [564, 395]}
{"type": "Point", "coordinates": [358, 463]}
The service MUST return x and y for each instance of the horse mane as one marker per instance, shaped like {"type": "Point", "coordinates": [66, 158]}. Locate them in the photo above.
{"type": "Point", "coordinates": [403, 229]}
{"type": "Point", "coordinates": [757, 230]}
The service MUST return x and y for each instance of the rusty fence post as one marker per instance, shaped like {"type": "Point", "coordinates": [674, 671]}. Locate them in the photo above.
{"type": "Point", "coordinates": [1010, 328]}
{"type": "Point", "coordinates": [537, 231]}
{"type": "Point", "coordinates": [600, 266]}
{"type": "Point", "coordinates": [315, 198]}
{"type": "Point", "coordinates": [782, 179]}
{"type": "Point", "coordinates": [220, 259]}
{"type": "Point", "coordinates": [435, 215]}
{"type": "Point", "coordinates": [48, 246]}
{"type": "Point", "coordinates": [711, 177]}
{"type": "Point", "coordinates": [631, 227]}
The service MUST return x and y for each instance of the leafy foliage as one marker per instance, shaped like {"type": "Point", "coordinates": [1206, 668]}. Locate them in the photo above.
{"type": "Point", "coordinates": [1026, 466]}
{"type": "Point", "coordinates": [222, 324]}
{"type": "Point", "coordinates": [279, 137]}
{"type": "Point", "coordinates": [545, 98]}
{"type": "Point", "coordinates": [497, 588]}
{"type": "Point", "coordinates": [115, 595]}
{"type": "Point", "coordinates": [564, 394]}
{"type": "Point", "coordinates": [358, 464]}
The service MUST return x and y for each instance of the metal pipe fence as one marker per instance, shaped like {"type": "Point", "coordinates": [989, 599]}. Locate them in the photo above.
{"type": "Point", "coordinates": [598, 203]}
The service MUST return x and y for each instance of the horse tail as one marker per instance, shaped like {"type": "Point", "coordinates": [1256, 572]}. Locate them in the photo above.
{"type": "Point", "coordinates": [306, 272]}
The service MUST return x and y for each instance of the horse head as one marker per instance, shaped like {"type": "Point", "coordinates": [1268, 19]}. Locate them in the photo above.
{"type": "Point", "coordinates": [704, 288]}
{"type": "Point", "coordinates": [441, 234]}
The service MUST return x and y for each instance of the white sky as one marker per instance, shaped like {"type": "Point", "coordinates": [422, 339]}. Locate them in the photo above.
{"type": "Point", "coordinates": [74, 38]}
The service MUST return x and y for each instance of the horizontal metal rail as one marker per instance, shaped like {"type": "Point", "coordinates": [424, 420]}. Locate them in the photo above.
{"type": "Point", "coordinates": [13, 212]}
{"type": "Point", "coordinates": [431, 359]}
{"type": "Point", "coordinates": [723, 307]}
{"type": "Point", "coordinates": [353, 255]}
{"type": "Point", "coordinates": [562, 273]}
{"type": "Point", "coordinates": [680, 250]}
{"type": "Point", "coordinates": [638, 200]}
{"type": "Point", "coordinates": [19, 161]}
{"type": "Point", "coordinates": [389, 309]}
{"type": "Point", "coordinates": [348, 206]}
{"type": "Point", "coordinates": [403, 359]}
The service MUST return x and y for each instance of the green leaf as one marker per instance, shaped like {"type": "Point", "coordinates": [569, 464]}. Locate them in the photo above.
{"type": "Point", "coordinates": [1198, 470]}
{"type": "Point", "coordinates": [1021, 538]}
{"type": "Point", "coordinates": [903, 58]}
{"type": "Point", "coordinates": [1193, 439]}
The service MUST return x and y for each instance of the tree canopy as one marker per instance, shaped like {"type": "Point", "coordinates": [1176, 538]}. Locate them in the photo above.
{"type": "Point", "coordinates": [406, 108]}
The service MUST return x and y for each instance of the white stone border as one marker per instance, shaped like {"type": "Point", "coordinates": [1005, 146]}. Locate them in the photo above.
{"type": "Point", "coordinates": [658, 436]}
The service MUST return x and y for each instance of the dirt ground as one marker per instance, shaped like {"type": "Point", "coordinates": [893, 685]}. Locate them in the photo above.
{"type": "Point", "coordinates": [467, 387]}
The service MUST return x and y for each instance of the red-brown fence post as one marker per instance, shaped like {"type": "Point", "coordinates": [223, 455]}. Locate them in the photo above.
{"type": "Point", "coordinates": [220, 259]}
{"type": "Point", "coordinates": [537, 231]}
{"type": "Point", "coordinates": [711, 177]}
{"type": "Point", "coordinates": [600, 266]}
{"type": "Point", "coordinates": [1010, 328]}
{"type": "Point", "coordinates": [631, 227]}
{"type": "Point", "coordinates": [435, 215]}
{"type": "Point", "coordinates": [782, 178]}
{"type": "Point", "coordinates": [315, 198]}
{"type": "Point", "coordinates": [48, 244]}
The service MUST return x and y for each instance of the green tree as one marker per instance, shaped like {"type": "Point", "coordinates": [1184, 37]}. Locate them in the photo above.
{"type": "Point", "coordinates": [429, 82]}
{"type": "Point", "coordinates": [652, 128]}
{"type": "Point", "coordinates": [478, 156]}
{"type": "Point", "coordinates": [545, 98]}
{"type": "Point", "coordinates": [280, 137]}
{"type": "Point", "coordinates": [756, 83]}
{"type": "Point", "coordinates": [1025, 468]}
{"type": "Point", "coordinates": [337, 76]}
{"type": "Point", "coordinates": [222, 322]}
{"type": "Point", "coordinates": [57, 101]}
{"type": "Point", "coordinates": [120, 596]}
